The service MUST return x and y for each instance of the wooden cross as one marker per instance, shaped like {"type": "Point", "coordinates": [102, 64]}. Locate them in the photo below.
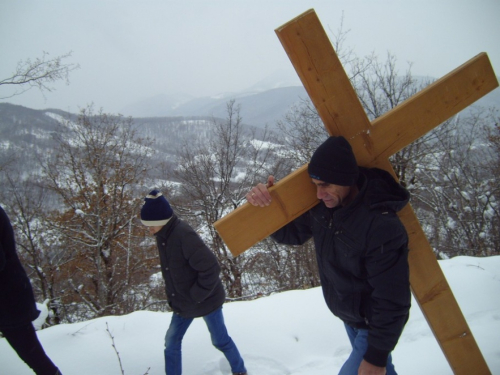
{"type": "Point", "coordinates": [330, 90]}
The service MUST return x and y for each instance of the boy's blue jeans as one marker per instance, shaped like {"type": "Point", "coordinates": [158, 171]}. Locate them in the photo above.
{"type": "Point", "coordinates": [359, 343]}
{"type": "Point", "coordinates": [218, 333]}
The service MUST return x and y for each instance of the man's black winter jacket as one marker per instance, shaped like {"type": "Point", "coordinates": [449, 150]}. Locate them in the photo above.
{"type": "Point", "coordinates": [362, 257]}
{"type": "Point", "coordinates": [190, 270]}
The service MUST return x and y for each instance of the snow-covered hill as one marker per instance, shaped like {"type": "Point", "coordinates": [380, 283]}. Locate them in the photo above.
{"type": "Point", "coordinates": [29, 132]}
{"type": "Point", "coordinates": [258, 108]}
{"type": "Point", "coordinates": [290, 333]}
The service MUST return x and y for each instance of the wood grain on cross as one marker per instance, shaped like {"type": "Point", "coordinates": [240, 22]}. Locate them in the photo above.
{"type": "Point", "coordinates": [330, 90]}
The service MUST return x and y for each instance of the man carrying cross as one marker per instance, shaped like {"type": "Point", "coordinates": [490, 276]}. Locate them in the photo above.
{"type": "Point", "coordinates": [361, 250]}
{"type": "Point", "coordinates": [330, 90]}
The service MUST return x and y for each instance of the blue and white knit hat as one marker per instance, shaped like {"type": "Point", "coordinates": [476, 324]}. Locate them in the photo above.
{"type": "Point", "coordinates": [156, 210]}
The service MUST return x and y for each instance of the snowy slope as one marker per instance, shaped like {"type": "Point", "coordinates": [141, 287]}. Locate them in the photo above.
{"type": "Point", "coordinates": [290, 333]}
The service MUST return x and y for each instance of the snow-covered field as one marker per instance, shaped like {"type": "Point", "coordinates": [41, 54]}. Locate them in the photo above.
{"type": "Point", "coordinates": [290, 333]}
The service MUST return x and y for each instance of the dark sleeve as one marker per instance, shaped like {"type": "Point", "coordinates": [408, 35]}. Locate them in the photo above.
{"type": "Point", "coordinates": [5, 230]}
{"type": "Point", "coordinates": [388, 274]}
{"type": "Point", "coordinates": [204, 262]}
{"type": "Point", "coordinates": [296, 232]}
{"type": "Point", "coordinates": [2, 257]}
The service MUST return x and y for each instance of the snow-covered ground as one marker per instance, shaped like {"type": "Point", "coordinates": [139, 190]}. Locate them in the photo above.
{"type": "Point", "coordinates": [290, 333]}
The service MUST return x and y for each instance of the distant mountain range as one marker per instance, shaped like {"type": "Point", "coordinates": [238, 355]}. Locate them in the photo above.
{"type": "Point", "coordinates": [262, 104]}
{"type": "Point", "coordinates": [256, 108]}
{"type": "Point", "coordinates": [259, 106]}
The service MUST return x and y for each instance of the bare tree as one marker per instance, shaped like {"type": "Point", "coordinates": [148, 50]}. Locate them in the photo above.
{"type": "Point", "coordinates": [38, 249]}
{"type": "Point", "coordinates": [95, 170]}
{"type": "Point", "coordinates": [459, 205]}
{"type": "Point", "coordinates": [493, 173]}
{"type": "Point", "coordinates": [280, 267]}
{"type": "Point", "coordinates": [214, 176]}
{"type": "Point", "coordinates": [302, 131]}
{"type": "Point", "coordinates": [40, 73]}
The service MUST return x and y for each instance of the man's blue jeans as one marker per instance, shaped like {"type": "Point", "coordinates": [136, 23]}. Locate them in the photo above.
{"type": "Point", "coordinates": [359, 343]}
{"type": "Point", "coordinates": [218, 333]}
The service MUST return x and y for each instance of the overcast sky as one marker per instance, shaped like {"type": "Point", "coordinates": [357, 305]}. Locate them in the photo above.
{"type": "Point", "coordinates": [131, 50]}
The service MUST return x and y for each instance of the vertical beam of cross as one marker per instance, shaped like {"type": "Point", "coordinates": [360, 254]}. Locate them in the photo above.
{"type": "Point", "coordinates": [329, 88]}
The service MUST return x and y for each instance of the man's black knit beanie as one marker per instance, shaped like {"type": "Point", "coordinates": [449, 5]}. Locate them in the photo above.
{"type": "Point", "coordinates": [334, 162]}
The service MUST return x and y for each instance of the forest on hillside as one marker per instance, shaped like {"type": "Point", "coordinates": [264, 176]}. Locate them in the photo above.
{"type": "Point", "coordinates": [75, 206]}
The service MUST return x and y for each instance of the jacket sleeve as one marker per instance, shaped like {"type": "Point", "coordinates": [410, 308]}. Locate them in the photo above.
{"type": "Point", "coordinates": [388, 275]}
{"type": "Point", "coordinates": [296, 232]}
{"type": "Point", "coordinates": [4, 224]}
{"type": "Point", "coordinates": [204, 262]}
{"type": "Point", "coordinates": [2, 258]}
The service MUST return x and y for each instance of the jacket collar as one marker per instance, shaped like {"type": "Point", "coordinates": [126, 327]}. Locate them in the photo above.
{"type": "Point", "coordinates": [167, 228]}
{"type": "Point", "coordinates": [377, 189]}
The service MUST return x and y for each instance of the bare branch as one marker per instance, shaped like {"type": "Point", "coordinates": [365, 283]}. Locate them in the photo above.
{"type": "Point", "coordinates": [40, 73]}
{"type": "Point", "coordinates": [114, 347]}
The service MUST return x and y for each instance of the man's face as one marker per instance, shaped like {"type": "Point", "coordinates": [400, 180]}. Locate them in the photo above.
{"type": "Point", "coordinates": [331, 195]}
{"type": "Point", "coordinates": [155, 229]}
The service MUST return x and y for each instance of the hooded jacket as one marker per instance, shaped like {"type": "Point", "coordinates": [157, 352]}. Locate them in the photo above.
{"type": "Point", "coordinates": [190, 270]}
{"type": "Point", "coordinates": [17, 302]}
{"type": "Point", "coordinates": [362, 255]}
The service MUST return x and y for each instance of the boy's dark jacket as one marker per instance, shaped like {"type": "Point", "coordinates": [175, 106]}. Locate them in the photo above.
{"type": "Point", "coordinates": [362, 257]}
{"type": "Point", "coordinates": [190, 270]}
{"type": "Point", "coordinates": [17, 302]}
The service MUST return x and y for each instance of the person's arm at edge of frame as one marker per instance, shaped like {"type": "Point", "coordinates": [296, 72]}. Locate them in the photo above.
{"type": "Point", "coordinates": [3, 259]}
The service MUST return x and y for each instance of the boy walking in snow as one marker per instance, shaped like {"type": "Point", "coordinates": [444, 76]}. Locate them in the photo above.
{"type": "Point", "coordinates": [192, 283]}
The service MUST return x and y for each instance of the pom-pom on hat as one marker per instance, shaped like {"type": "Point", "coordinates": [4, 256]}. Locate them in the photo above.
{"type": "Point", "coordinates": [156, 210]}
{"type": "Point", "coordinates": [334, 162]}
